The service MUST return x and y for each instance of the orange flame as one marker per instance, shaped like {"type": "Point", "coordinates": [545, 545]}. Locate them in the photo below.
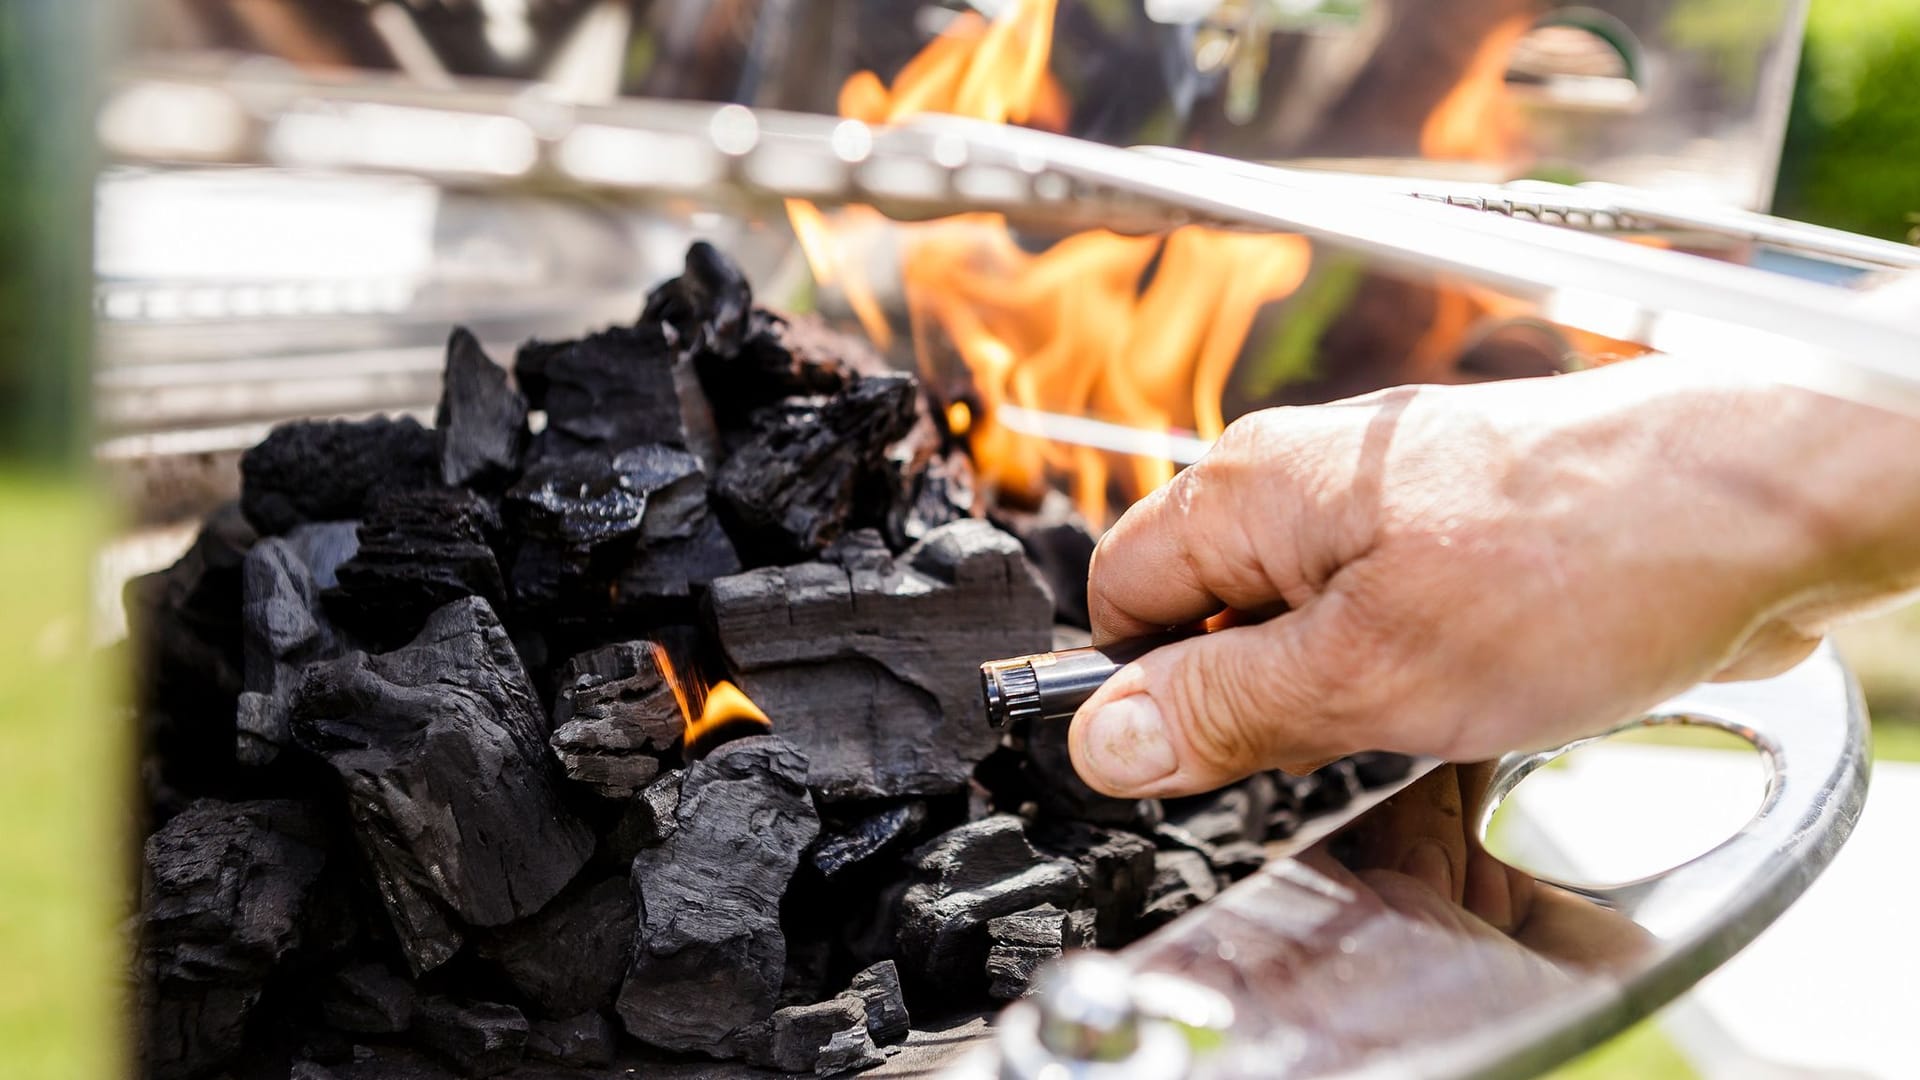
{"type": "Point", "coordinates": [1477, 120]}
{"type": "Point", "coordinates": [726, 715]}
{"type": "Point", "coordinates": [1143, 331]}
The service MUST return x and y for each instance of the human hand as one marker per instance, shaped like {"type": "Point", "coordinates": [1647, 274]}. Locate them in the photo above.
{"type": "Point", "coordinates": [1464, 571]}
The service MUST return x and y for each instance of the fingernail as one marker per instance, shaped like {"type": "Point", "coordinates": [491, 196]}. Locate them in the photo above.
{"type": "Point", "coordinates": [1126, 745]}
{"type": "Point", "coordinates": [1429, 864]}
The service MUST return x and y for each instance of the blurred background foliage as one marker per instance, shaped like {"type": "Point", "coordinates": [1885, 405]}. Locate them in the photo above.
{"type": "Point", "coordinates": [1852, 157]}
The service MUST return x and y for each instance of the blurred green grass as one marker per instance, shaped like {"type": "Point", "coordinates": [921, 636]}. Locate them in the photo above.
{"type": "Point", "coordinates": [62, 837]}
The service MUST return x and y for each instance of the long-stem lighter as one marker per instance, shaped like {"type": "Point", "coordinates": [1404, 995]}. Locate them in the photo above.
{"type": "Point", "coordinates": [1052, 685]}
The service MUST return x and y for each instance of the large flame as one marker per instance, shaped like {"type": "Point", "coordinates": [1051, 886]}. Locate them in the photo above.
{"type": "Point", "coordinates": [1478, 120]}
{"type": "Point", "coordinates": [1142, 331]}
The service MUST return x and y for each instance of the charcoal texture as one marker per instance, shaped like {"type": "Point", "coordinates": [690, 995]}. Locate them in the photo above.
{"type": "Point", "coordinates": [478, 1038]}
{"type": "Point", "coordinates": [869, 836]}
{"type": "Point", "coordinates": [1231, 815]}
{"type": "Point", "coordinates": [710, 952]}
{"type": "Point", "coordinates": [228, 891]}
{"type": "Point", "coordinates": [648, 820]}
{"type": "Point", "coordinates": [590, 519]}
{"type": "Point", "coordinates": [482, 422]}
{"type": "Point", "coordinates": [878, 987]}
{"type": "Point", "coordinates": [329, 470]}
{"type": "Point", "coordinates": [1182, 880]}
{"type": "Point", "coordinates": [615, 718]}
{"type": "Point", "coordinates": [873, 673]}
{"type": "Point", "coordinates": [783, 357]}
{"type": "Point", "coordinates": [792, 488]}
{"type": "Point", "coordinates": [369, 999]}
{"type": "Point", "coordinates": [1117, 867]}
{"type": "Point", "coordinates": [420, 549]}
{"type": "Point", "coordinates": [609, 391]}
{"type": "Point", "coordinates": [1026, 941]}
{"type": "Point", "coordinates": [801, 1035]}
{"type": "Point", "coordinates": [569, 957]}
{"type": "Point", "coordinates": [441, 747]}
{"type": "Point", "coordinates": [583, 1041]}
{"type": "Point", "coordinates": [964, 878]}
{"type": "Point", "coordinates": [707, 309]}
{"type": "Point", "coordinates": [283, 630]}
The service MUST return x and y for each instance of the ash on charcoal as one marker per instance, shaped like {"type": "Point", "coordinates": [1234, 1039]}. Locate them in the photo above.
{"type": "Point", "coordinates": [869, 836]}
{"type": "Point", "coordinates": [706, 310]}
{"type": "Point", "coordinates": [1117, 866]}
{"type": "Point", "coordinates": [1060, 543]}
{"type": "Point", "coordinates": [442, 750]}
{"type": "Point", "coordinates": [420, 549]}
{"type": "Point", "coordinates": [964, 878]}
{"type": "Point", "coordinates": [610, 391]}
{"type": "Point", "coordinates": [1026, 941]}
{"type": "Point", "coordinates": [874, 675]}
{"type": "Point", "coordinates": [615, 716]}
{"type": "Point", "coordinates": [283, 629]}
{"type": "Point", "coordinates": [329, 470]}
{"type": "Point", "coordinates": [826, 1038]}
{"type": "Point", "coordinates": [185, 628]}
{"type": "Point", "coordinates": [227, 893]}
{"type": "Point", "coordinates": [710, 953]}
{"type": "Point", "coordinates": [569, 957]}
{"type": "Point", "coordinates": [878, 989]}
{"type": "Point", "coordinates": [587, 519]}
{"type": "Point", "coordinates": [478, 1038]}
{"type": "Point", "coordinates": [369, 999]}
{"type": "Point", "coordinates": [1182, 880]}
{"type": "Point", "coordinates": [790, 489]}
{"type": "Point", "coordinates": [482, 420]}
{"type": "Point", "coordinates": [584, 1041]}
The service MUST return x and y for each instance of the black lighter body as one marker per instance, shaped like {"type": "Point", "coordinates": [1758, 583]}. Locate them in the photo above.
{"type": "Point", "coordinates": [1052, 685]}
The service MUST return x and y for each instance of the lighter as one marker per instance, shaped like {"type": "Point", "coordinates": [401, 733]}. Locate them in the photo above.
{"type": "Point", "coordinates": [1051, 685]}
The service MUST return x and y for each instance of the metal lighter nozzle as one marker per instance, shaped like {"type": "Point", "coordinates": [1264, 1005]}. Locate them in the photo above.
{"type": "Point", "coordinates": [1052, 685]}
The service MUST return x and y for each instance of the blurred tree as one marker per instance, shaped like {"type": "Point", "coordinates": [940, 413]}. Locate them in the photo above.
{"type": "Point", "coordinates": [1852, 156]}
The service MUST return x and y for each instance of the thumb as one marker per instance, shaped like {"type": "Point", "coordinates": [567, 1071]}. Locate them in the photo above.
{"type": "Point", "coordinates": [1197, 714]}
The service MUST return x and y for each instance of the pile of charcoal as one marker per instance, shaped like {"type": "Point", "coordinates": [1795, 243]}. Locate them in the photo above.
{"type": "Point", "coordinates": [414, 762]}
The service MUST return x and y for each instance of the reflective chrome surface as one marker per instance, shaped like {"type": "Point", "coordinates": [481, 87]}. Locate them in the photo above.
{"type": "Point", "coordinates": [1335, 968]}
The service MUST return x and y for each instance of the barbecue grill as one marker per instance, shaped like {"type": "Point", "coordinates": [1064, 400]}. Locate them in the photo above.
{"type": "Point", "coordinates": [548, 213]}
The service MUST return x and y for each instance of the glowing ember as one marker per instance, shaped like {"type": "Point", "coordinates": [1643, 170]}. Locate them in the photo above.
{"type": "Point", "coordinates": [959, 418]}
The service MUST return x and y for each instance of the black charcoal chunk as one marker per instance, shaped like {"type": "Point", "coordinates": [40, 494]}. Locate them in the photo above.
{"type": "Point", "coordinates": [783, 357]}
{"type": "Point", "coordinates": [964, 878]}
{"type": "Point", "coordinates": [848, 1051]}
{"type": "Point", "coordinates": [647, 820]}
{"type": "Point", "coordinates": [283, 630]}
{"type": "Point", "coordinates": [1182, 880]}
{"type": "Point", "coordinates": [420, 549]}
{"type": "Point", "coordinates": [868, 837]}
{"type": "Point", "coordinates": [792, 488]}
{"type": "Point", "coordinates": [609, 391]}
{"type": "Point", "coordinates": [928, 491]}
{"type": "Point", "coordinates": [482, 421]}
{"type": "Point", "coordinates": [674, 568]}
{"type": "Point", "coordinates": [329, 470]}
{"type": "Point", "coordinates": [228, 891]}
{"type": "Point", "coordinates": [878, 987]}
{"type": "Point", "coordinates": [710, 953]}
{"type": "Point", "coordinates": [441, 747]}
{"type": "Point", "coordinates": [368, 999]}
{"type": "Point", "coordinates": [1231, 815]}
{"type": "Point", "coordinates": [875, 675]}
{"type": "Point", "coordinates": [1026, 941]}
{"type": "Point", "coordinates": [1238, 860]}
{"type": "Point", "coordinates": [615, 717]}
{"type": "Point", "coordinates": [798, 1036]}
{"type": "Point", "coordinates": [570, 956]}
{"type": "Point", "coordinates": [583, 1041]}
{"type": "Point", "coordinates": [1378, 768]}
{"type": "Point", "coordinates": [706, 309]}
{"type": "Point", "coordinates": [1330, 787]}
{"type": "Point", "coordinates": [1060, 543]}
{"type": "Point", "coordinates": [1118, 868]}
{"type": "Point", "coordinates": [185, 628]}
{"type": "Point", "coordinates": [478, 1038]}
